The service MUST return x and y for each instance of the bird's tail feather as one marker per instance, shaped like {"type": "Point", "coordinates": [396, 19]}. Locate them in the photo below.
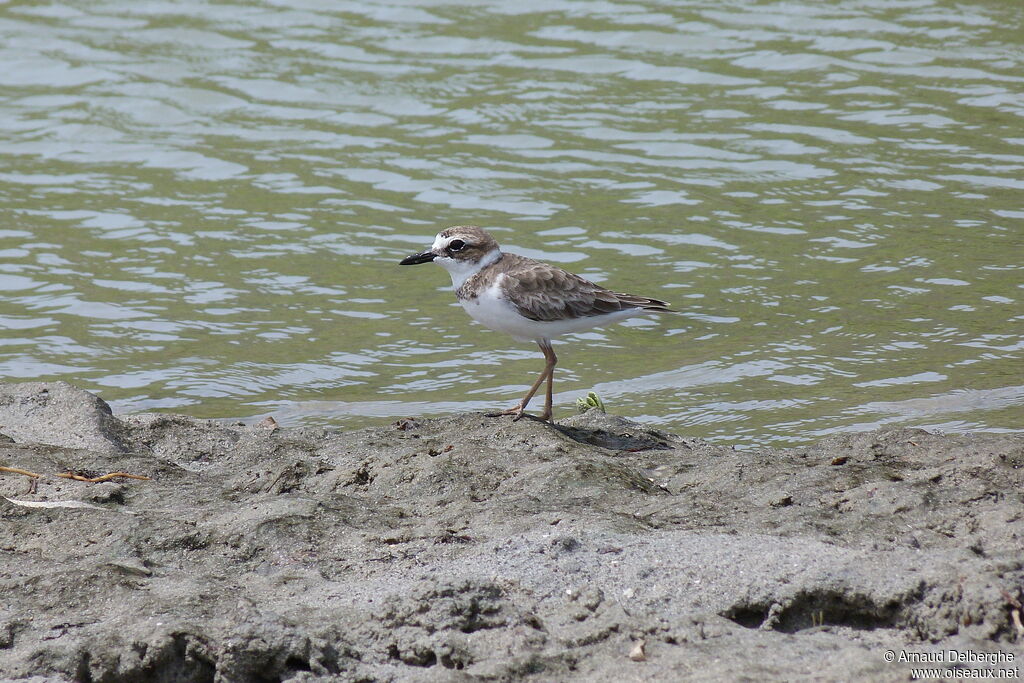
{"type": "Point", "coordinates": [644, 302]}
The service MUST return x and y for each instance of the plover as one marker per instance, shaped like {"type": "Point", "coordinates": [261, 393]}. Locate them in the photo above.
{"type": "Point", "coordinates": [528, 299]}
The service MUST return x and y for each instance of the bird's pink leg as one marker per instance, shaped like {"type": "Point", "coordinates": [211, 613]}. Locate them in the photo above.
{"type": "Point", "coordinates": [552, 359]}
{"type": "Point", "coordinates": [548, 374]}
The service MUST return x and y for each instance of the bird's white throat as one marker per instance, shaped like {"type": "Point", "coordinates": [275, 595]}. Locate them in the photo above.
{"type": "Point", "coordinates": [463, 270]}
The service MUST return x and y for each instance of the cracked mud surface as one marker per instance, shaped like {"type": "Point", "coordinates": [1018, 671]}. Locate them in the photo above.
{"type": "Point", "coordinates": [470, 548]}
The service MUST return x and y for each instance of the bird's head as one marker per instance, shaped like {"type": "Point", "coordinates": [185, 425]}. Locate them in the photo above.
{"type": "Point", "coordinates": [462, 250]}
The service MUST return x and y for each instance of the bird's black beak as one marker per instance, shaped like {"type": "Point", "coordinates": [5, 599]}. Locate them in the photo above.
{"type": "Point", "coordinates": [425, 257]}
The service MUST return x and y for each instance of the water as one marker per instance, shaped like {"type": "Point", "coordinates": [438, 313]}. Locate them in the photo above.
{"type": "Point", "coordinates": [204, 206]}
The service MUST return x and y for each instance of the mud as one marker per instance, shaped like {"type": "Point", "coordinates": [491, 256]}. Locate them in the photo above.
{"type": "Point", "coordinates": [470, 548]}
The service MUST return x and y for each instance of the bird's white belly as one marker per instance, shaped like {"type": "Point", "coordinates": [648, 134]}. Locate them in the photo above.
{"type": "Point", "coordinates": [492, 310]}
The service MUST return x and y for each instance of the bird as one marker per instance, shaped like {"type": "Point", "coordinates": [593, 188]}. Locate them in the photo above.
{"type": "Point", "coordinates": [526, 298]}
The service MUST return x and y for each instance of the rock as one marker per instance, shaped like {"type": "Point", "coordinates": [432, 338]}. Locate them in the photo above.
{"type": "Point", "coordinates": [467, 548]}
{"type": "Point", "coordinates": [58, 414]}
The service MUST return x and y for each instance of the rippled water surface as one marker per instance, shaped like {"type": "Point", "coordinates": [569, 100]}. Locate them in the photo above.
{"type": "Point", "coordinates": [204, 206]}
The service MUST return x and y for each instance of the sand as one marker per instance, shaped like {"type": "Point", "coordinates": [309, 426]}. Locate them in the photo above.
{"type": "Point", "coordinates": [469, 548]}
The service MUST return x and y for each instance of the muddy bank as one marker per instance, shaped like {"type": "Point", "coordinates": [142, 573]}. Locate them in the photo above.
{"type": "Point", "coordinates": [471, 548]}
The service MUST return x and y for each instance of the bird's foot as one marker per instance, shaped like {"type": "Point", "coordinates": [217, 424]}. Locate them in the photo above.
{"type": "Point", "coordinates": [517, 411]}
{"type": "Point", "coordinates": [543, 417]}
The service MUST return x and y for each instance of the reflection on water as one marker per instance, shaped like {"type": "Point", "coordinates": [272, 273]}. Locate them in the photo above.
{"type": "Point", "coordinates": [205, 206]}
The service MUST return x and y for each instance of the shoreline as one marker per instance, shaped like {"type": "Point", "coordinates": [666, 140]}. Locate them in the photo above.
{"type": "Point", "coordinates": [474, 548]}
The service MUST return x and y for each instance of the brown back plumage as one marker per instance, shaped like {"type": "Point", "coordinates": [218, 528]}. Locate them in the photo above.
{"type": "Point", "coordinates": [543, 292]}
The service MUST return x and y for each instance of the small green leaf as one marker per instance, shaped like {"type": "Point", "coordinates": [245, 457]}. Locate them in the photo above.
{"type": "Point", "coordinates": [591, 401]}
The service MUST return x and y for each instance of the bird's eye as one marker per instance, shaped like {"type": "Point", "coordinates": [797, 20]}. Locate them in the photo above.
{"type": "Point", "coordinates": [456, 245]}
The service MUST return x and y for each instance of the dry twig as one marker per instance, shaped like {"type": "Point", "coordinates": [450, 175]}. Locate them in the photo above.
{"type": "Point", "coordinates": [17, 470]}
{"type": "Point", "coordinates": [105, 477]}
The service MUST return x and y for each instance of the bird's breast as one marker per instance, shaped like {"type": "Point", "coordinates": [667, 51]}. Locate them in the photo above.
{"type": "Point", "coordinates": [490, 308]}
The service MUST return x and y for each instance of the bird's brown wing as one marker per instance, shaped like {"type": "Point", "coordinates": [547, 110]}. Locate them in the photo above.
{"type": "Point", "coordinates": [543, 292]}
